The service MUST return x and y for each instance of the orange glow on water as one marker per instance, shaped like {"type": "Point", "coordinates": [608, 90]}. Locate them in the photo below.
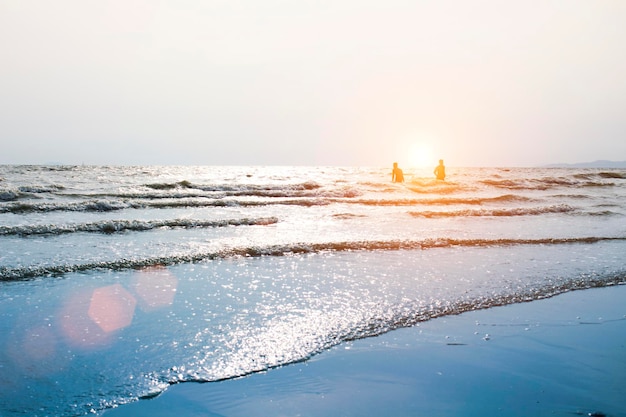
{"type": "Point", "coordinates": [77, 327]}
{"type": "Point", "coordinates": [89, 318]}
{"type": "Point", "coordinates": [112, 308]}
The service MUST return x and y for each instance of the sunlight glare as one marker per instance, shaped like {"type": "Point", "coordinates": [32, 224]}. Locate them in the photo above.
{"type": "Point", "coordinates": [421, 155]}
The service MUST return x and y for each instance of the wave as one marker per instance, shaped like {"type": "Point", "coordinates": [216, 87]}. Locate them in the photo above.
{"type": "Point", "coordinates": [541, 184]}
{"type": "Point", "coordinates": [185, 189]}
{"type": "Point", "coordinates": [428, 186]}
{"type": "Point", "coordinates": [520, 211]}
{"type": "Point", "coordinates": [613, 174]}
{"type": "Point", "coordinates": [250, 353]}
{"type": "Point", "coordinates": [602, 213]}
{"type": "Point", "coordinates": [440, 201]}
{"type": "Point", "coordinates": [114, 205]}
{"type": "Point", "coordinates": [255, 351]}
{"type": "Point", "coordinates": [243, 188]}
{"type": "Point", "coordinates": [30, 272]}
{"type": "Point", "coordinates": [93, 205]}
{"type": "Point", "coordinates": [181, 201]}
{"type": "Point", "coordinates": [170, 186]}
{"type": "Point", "coordinates": [178, 193]}
{"type": "Point", "coordinates": [54, 168]}
{"type": "Point", "coordinates": [573, 196]}
{"type": "Point", "coordinates": [602, 174]}
{"type": "Point", "coordinates": [115, 226]}
{"type": "Point", "coordinates": [9, 195]}
{"type": "Point", "coordinates": [39, 189]}
{"type": "Point", "coordinates": [348, 216]}
{"type": "Point", "coordinates": [28, 191]}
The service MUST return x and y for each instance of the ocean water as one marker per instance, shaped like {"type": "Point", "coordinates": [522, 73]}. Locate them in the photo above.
{"type": "Point", "coordinates": [117, 282]}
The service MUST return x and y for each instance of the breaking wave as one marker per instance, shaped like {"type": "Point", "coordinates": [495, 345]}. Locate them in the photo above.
{"type": "Point", "coordinates": [603, 174]}
{"type": "Point", "coordinates": [239, 189]}
{"type": "Point", "coordinates": [9, 195]}
{"type": "Point", "coordinates": [94, 205]}
{"type": "Point", "coordinates": [28, 191]}
{"type": "Point", "coordinates": [440, 201]}
{"type": "Point", "coordinates": [114, 205]}
{"type": "Point", "coordinates": [115, 226]}
{"type": "Point", "coordinates": [546, 183]}
{"type": "Point", "coordinates": [500, 212]}
{"type": "Point", "coordinates": [142, 201]}
{"type": "Point", "coordinates": [24, 273]}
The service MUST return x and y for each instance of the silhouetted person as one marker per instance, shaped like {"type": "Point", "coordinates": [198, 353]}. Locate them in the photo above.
{"type": "Point", "coordinates": [396, 174]}
{"type": "Point", "coordinates": [440, 171]}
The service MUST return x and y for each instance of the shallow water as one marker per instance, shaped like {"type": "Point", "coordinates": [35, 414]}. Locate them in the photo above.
{"type": "Point", "coordinates": [119, 281]}
{"type": "Point", "coordinates": [558, 357]}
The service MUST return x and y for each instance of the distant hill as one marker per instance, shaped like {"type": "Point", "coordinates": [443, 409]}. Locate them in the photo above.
{"type": "Point", "coordinates": [594, 164]}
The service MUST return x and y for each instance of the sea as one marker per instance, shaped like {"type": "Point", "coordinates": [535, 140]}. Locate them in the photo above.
{"type": "Point", "coordinates": [118, 281]}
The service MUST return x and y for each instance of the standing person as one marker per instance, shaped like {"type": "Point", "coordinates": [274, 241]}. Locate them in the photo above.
{"type": "Point", "coordinates": [440, 171]}
{"type": "Point", "coordinates": [396, 174]}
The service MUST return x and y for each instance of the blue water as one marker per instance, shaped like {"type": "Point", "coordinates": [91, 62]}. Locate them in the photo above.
{"type": "Point", "coordinates": [119, 281]}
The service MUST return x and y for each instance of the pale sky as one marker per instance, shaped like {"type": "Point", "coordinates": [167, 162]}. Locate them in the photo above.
{"type": "Point", "coordinates": [312, 82]}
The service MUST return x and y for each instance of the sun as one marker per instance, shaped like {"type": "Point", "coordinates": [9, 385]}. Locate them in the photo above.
{"type": "Point", "coordinates": [421, 155]}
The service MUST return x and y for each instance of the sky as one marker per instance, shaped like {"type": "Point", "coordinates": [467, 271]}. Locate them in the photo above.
{"type": "Point", "coordinates": [312, 82]}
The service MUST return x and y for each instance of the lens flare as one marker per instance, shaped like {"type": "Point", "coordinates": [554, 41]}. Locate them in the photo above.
{"type": "Point", "coordinates": [112, 307]}
{"type": "Point", "coordinates": [77, 327]}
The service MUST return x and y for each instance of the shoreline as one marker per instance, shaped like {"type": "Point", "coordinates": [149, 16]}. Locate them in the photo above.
{"type": "Point", "coordinates": [560, 356]}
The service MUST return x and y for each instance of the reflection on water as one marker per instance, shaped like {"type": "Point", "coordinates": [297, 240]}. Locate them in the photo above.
{"type": "Point", "coordinates": [87, 319]}
{"type": "Point", "coordinates": [35, 350]}
{"type": "Point", "coordinates": [115, 337]}
{"type": "Point", "coordinates": [112, 307]}
{"type": "Point", "coordinates": [155, 286]}
{"type": "Point", "coordinates": [78, 328]}
{"type": "Point", "coordinates": [342, 254]}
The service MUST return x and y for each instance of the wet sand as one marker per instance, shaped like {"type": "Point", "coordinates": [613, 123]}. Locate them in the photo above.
{"type": "Point", "coordinates": [563, 356]}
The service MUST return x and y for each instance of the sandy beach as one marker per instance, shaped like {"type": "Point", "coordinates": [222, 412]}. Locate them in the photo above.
{"type": "Point", "coordinates": [562, 356]}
